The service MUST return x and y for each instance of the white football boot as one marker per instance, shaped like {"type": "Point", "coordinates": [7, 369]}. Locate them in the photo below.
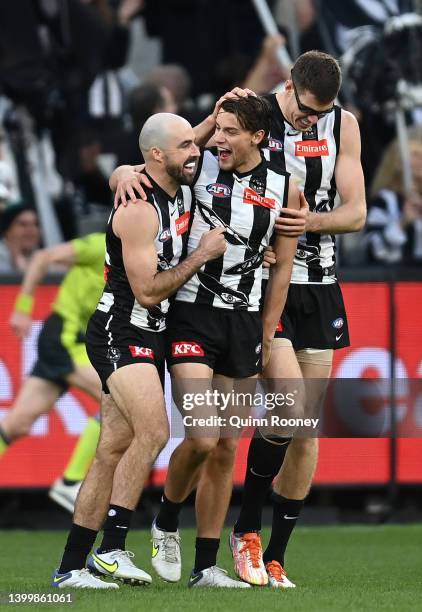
{"type": "Point", "coordinates": [215, 577]}
{"type": "Point", "coordinates": [165, 556]}
{"type": "Point", "coordinates": [277, 577]}
{"type": "Point", "coordinates": [80, 579]}
{"type": "Point", "coordinates": [119, 565]}
{"type": "Point", "coordinates": [64, 495]}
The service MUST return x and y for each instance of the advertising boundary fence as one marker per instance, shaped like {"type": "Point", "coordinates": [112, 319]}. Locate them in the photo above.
{"type": "Point", "coordinates": [389, 462]}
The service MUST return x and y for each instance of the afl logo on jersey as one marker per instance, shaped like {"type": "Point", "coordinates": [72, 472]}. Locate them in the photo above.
{"type": "Point", "coordinates": [338, 323]}
{"type": "Point", "coordinates": [165, 235]}
{"type": "Point", "coordinates": [219, 190]}
{"type": "Point", "coordinates": [275, 145]}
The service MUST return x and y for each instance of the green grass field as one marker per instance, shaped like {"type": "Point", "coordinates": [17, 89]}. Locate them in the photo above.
{"type": "Point", "coordinates": [335, 568]}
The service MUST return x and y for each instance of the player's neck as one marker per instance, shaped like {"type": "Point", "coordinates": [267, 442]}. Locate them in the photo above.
{"type": "Point", "coordinates": [282, 102]}
{"type": "Point", "coordinates": [166, 182]}
{"type": "Point", "coordinates": [249, 164]}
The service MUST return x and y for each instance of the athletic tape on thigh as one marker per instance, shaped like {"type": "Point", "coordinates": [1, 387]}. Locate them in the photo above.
{"type": "Point", "coordinates": [317, 357]}
{"type": "Point", "coordinates": [280, 343]}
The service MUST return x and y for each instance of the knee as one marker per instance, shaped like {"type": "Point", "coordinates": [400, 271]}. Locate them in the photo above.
{"type": "Point", "coordinates": [201, 447]}
{"type": "Point", "coordinates": [153, 441]}
{"type": "Point", "coordinates": [105, 460]}
{"type": "Point", "coordinates": [224, 453]}
{"type": "Point", "coordinates": [159, 440]}
{"type": "Point", "coordinates": [304, 446]}
{"type": "Point", "coordinates": [110, 451]}
{"type": "Point", "coordinates": [18, 429]}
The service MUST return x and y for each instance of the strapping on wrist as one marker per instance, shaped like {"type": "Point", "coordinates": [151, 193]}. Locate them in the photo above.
{"type": "Point", "coordinates": [24, 303]}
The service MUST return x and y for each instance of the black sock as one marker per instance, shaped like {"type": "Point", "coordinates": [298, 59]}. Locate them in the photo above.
{"type": "Point", "coordinates": [115, 529]}
{"type": "Point", "coordinates": [79, 543]}
{"type": "Point", "coordinates": [68, 482]}
{"type": "Point", "coordinates": [4, 437]}
{"type": "Point", "coordinates": [265, 458]}
{"type": "Point", "coordinates": [168, 515]}
{"type": "Point", "coordinates": [206, 550]}
{"type": "Point", "coordinates": [285, 514]}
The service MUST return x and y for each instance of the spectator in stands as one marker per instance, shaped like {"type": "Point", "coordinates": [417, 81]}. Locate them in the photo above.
{"type": "Point", "coordinates": [394, 224]}
{"type": "Point", "coordinates": [19, 237]}
{"type": "Point", "coordinates": [175, 79]}
{"type": "Point", "coordinates": [144, 101]}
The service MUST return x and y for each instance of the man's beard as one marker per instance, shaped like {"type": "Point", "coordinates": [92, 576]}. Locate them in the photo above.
{"type": "Point", "coordinates": [176, 172]}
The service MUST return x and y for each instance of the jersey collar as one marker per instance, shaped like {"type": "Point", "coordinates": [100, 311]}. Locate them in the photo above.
{"type": "Point", "coordinates": [163, 191]}
{"type": "Point", "coordinates": [259, 168]}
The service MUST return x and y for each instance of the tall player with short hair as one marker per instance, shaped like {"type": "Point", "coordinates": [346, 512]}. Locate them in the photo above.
{"type": "Point", "coordinates": [319, 144]}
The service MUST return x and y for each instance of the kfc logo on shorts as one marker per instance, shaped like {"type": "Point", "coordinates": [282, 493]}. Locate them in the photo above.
{"type": "Point", "coordinates": [141, 351]}
{"type": "Point", "coordinates": [182, 223]}
{"type": "Point", "coordinates": [279, 327]}
{"type": "Point", "coordinates": [311, 148]}
{"type": "Point", "coordinates": [275, 145]}
{"type": "Point", "coordinates": [219, 190]}
{"type": "Point", "coordinates": [252, 197]}
{"type": "Point", "coordinates": [186, 349]}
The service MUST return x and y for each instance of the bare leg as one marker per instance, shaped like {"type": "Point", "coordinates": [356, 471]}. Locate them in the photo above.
{"type": "Point", "coordinates": [134, 430]}
{"type": "Point", "coordinates": [138, 393]}
{"type": "Point", "coordinates": [283, 362]}
{"type": "Point", "coordinates": [295, 477]}
{"type": "Point", "coordinates": [215, 488]}
{"type": "Point", "coordinates": [216, 480]}
{"type": "Point", "coordinates": [86, 379]}
{"type": "Point", "coordinates": [94, 496]}
{"type": "Point", "coordinates": [35, 398]}
{"type": "Point", "coordinates": [293, 482]}
{"type": "Point", "coordinates": [190, 455]}
{"type": "Point", "coordinates": [268, 447]}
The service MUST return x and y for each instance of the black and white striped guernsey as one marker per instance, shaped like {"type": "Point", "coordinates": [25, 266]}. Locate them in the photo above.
{"type": "Point", "coordinates": [310, 158]}
{"type": "Point", "coordinates": [170, 244]}
{"type": "Point", "coordinates": [246, 204]}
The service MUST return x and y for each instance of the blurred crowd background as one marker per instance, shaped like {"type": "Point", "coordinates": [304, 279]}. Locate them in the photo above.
{"type": "Point", "coordinates": [78, 78]}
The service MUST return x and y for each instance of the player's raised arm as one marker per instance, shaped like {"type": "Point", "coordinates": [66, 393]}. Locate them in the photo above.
{"type": "Point", "coordinates": [278, 284]}
{"type": "Point", "coordinates": [205, 130]}
{"type": "Point", "coordinates": [63, 254]}
{"type": "Point", "coordinates": [127, 181]}
{"type": "Point", "coordinates": [137, 227]}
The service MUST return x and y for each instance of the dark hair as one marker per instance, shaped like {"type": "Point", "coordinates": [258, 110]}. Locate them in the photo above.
{"type": "Point", "coordinates": [10, 214]}
{"type": "Point", "coordinates": [144, 101]}
{"type": "Point", "coordinates": [253, 114]}
{"type": "Point", "coordinates": [318, 73]}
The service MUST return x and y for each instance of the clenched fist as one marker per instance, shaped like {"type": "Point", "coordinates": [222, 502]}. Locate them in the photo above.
{"type": "Point", "coordinates": [213, 244]}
